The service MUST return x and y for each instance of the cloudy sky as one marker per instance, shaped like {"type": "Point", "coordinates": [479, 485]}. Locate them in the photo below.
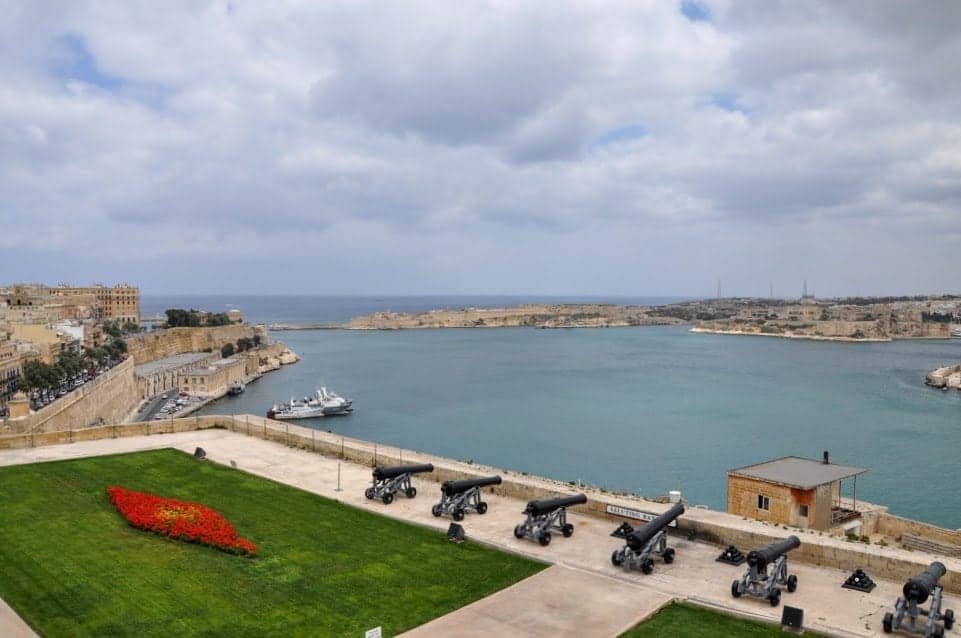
{"type": "Point", "coordinates": [482, 147]}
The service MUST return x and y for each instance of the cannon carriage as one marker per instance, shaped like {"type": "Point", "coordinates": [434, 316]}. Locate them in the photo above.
{"type": "Point", "coordinates": [907, 613]}
{"type": "Point", "coordinates": [458, 497]}
{"type": "Point", "coordinates": [546, 515]}
{"type": "Point", "coordinates": [390, 480]}
{"type": "Point", "coordinates": [641, 545]}
{"type": "Point", "coordinates": [767, 572]}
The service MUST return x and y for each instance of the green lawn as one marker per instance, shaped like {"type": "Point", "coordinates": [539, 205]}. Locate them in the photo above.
{"type": "Point", "coordinates": [687, 621]}
{"type": "Point", "coordinates": [71, 566]}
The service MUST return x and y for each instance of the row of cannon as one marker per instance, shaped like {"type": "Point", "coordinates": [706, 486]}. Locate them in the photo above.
{"type": "Point", "coordinates": [767, 567]}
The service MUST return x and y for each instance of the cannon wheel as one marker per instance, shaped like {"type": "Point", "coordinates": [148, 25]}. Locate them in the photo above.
{"type": "Point", "coordinates": [544, 539]}
{"type": "Point", "coordinates": [736, 589]}
{"type": "Point", "coordinates": [792, 583]}
{"type": "Point", "coordinates": [369, 493]}
{"type": "Point", "coordinates": [482, 508]}
{"type": "Point", "coordinates": [458, 514]}
{"type": "Point", "coordinates": [388, 498]}
{"type": "Point", "coordinates": [888, 623]}
{"type": "Point", "coordinates": [437, 510]}
{"type": "Point", "coordinates": [519, 531]}
{"type": "Point", "coordinates": [567, 530]}
{"type": "Point", "coordinates": [949, 619]}
{"type": "Point", "coordinates": [411, 492]}
{"type": "Point", "coordinates": [669, 555]}
{"type": "Point", "coordinates": [647, 566]}
{"type": "Point", "coordinates": [775, 598]}
{"type": "Point", "coordinates": [937, 632]}
{"type": "Point", "coordinates": [616, 559]}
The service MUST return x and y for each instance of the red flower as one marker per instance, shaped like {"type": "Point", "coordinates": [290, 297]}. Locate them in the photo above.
{"type": "Point", "coordinates": [181, 520]}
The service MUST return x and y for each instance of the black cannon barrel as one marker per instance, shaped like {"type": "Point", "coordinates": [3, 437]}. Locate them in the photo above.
{"type": "Point", "coordinates": [640, 537]}
{"type": "Point", "coordinates": [539, 508]}
{"type": "Point", "coordinates": [920, 587]}
{"type": "Point", "coordinates": [462, 485]}
{"type": "Point", "coordinates": [761, 557]}
{"type": "Point", "coordinates": [384, 473]}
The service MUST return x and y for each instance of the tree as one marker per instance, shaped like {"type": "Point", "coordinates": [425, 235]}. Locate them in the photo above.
{"type": "Point", "coordinates": [244, 344]}
{"type": "Point", "coordinates": [180, 318]}
{"type": "Point", "coordinates": [219, 319]}
{"type": "Point", "coordinates": [227, 350]}
{"type": "Point", "coordinates": [112, 329]}
{"type": "Point", "coordinates": [256, 340]}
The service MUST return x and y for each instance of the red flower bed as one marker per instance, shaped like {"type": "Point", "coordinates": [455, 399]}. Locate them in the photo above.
{"type": "Point", "coordinates": [181, 520]}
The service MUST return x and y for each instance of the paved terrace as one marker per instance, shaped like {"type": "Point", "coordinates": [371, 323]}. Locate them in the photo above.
{"type": "Point", "coordinates": [582, 594]}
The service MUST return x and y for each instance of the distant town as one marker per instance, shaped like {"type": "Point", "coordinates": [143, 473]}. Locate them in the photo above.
{"type": "Point", "coordinates": [843, 319]}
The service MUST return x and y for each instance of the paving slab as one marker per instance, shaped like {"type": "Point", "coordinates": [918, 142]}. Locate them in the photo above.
{"type": "Point", "coordinates": [12, 625]}
{"type": "Point", "coordinates": [693, 576]}
{"type": "Point", "coordinates": [556, 602]}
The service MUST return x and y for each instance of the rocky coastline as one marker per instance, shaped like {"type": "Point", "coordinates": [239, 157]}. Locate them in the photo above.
{"type": "Point", "coordinates": [529, 316]}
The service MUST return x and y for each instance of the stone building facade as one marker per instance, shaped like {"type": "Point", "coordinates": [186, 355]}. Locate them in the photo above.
{"type": "Point", "coordinates": [214, 379]}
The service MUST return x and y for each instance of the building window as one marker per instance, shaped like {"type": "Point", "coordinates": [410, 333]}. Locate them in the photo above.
{"type": "Point", "coordinates": [803, 511]}
{"type": "Point", "coordinates": [763, 502]}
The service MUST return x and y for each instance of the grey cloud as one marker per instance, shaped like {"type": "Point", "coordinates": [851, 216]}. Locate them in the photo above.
{"type": "Point", "coordinates": [452, 144]}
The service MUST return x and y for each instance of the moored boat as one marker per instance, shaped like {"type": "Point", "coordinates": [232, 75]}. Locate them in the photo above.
{"type": "Point", "coordinates": [324, 403]}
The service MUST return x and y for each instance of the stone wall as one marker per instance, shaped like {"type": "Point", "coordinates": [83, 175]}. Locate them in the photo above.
{"type": "Point", "coordinates": [107, 399]}
{"type": "Point", "coordinates": [896, 527]}
{"type": "Point", "coordinates": [158, 344]}
{"type": "Point", "coordinates": [719, 528]}
{"type": "Point", "coordinates": [742, 499]}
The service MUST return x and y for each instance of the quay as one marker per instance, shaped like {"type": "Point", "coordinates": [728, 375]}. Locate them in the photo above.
{"type": "Point", "coordinates": [581, 593]}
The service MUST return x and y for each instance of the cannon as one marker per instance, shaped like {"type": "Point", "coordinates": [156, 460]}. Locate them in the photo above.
{"type": "Point", "coordinates": [545, 515]}
{"type": "Point", "coordinates": [645, 542]}
{"type": "Point", "coordinates": [767, 569]}
{"type": "Point", "coordinates": [458, 497]}
{"type": "Point", "coordinates": [907, 609]}
{"type": "Point", "coordinates": [390, 480]}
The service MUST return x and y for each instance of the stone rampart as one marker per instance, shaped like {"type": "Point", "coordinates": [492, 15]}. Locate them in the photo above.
{"type": "Point", "coordinates": [107, 399]}
{"type": "Point", "coordinates": [719, 528]}
{"type": "Point", "coordinates": [158, 344]}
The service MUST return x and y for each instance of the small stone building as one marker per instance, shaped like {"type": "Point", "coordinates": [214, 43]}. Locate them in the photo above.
{"type": "Point", "coordinates": [215, 379]}
{"type": "Point", "coordinates": [793, 491]}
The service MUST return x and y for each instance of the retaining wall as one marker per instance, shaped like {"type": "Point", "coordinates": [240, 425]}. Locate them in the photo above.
{"type": "Point", "coordinates": [720, 528]}
{"type": "Point", "coordinates": [107, 399]}
{"type": "Point", "coordinates": [158, 344]}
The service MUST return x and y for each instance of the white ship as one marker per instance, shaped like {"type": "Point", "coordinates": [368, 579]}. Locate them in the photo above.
{"type": "Point", "coordinates": [324, 403]}
{"type": "Point", "coordinates": [956, 332]}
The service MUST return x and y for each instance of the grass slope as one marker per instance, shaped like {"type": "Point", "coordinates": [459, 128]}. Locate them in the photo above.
{"type": "Point", "coordinates": [687, 621]}
{"type": "Point", "coordinates": [71, 566]}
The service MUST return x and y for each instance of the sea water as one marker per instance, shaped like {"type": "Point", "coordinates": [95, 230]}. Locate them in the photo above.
{"type": "Point", "coordinates": [646, 409]}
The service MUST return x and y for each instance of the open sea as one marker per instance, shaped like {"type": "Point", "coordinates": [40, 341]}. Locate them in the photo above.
{"type": "Point", "coordinates": [645, 409]}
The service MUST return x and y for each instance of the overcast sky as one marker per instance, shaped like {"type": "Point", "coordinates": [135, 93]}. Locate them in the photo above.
{"type": "Point", "coordinates": [482, 147]}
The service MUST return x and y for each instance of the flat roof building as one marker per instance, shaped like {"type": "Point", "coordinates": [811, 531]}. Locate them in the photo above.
{"type": "Point", "coordinates": [793, 491]}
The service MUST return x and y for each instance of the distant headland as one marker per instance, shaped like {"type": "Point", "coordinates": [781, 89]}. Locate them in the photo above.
{"type": "Point", "coordinates": [866, 319]}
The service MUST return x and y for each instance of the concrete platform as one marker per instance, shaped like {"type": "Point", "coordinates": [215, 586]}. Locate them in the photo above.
{"type": "Point", "coordinates": [585, 558]}
{"type": "Point", "coordinates": [557, 602]}
{"type": "Point", "coordinates": [12, 625]}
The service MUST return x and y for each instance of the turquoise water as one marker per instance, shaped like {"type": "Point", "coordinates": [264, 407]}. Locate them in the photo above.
{"type": "Point", "coordinates": [643, 409]}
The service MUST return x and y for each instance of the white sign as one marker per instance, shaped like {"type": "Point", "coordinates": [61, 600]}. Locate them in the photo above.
{"type": "Point", "coordinates": [637, 515]}
{"type": "Point", "coordinates": [372, 633]}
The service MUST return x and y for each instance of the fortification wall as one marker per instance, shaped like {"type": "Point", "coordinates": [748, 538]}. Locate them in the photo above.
{"type": "Point", "coordinates": [107, 399]}
{"type": "Point", "coordinates": [719, 528]}
{"type": "Point", "coordinates": [158, 344]}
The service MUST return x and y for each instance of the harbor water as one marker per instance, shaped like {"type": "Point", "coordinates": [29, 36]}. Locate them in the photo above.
{"type": "Point", "coordinates": [645, 410]}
